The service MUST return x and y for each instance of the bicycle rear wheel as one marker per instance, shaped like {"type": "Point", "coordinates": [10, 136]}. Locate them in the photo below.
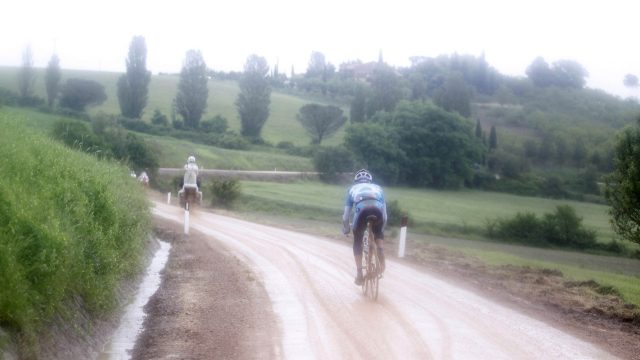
{"type": "Point", "coordinates": [371, 278]}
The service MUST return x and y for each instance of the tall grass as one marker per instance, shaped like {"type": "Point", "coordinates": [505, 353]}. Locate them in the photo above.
{"type": "Point", "coordinates": [71, 227]}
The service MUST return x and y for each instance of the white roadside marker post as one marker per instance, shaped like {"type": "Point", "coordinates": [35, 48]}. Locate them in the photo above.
{"type": "Point", "coordinates": [403, 236]}
{"type": "Point", "coordinates": [169, 198]}
{"type": "Point", "coordinates": [186, 220]}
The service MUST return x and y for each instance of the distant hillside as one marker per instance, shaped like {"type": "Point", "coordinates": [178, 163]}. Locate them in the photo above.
{"type": "Point", "coordinates": [281, 125]}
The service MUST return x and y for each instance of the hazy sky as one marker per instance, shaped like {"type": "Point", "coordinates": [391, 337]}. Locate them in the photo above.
{"type": "Point", "coordinates": [88, 34]}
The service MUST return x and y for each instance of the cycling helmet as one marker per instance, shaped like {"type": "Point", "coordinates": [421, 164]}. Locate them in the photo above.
{"type": "Point", "coordinates": [191, 159]}
{"type": "Point", "coordinates": [362, 176]}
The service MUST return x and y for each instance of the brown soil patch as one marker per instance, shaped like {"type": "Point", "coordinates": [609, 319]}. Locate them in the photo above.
{"type": "Point", "coordinates": [586, 309]}
{"type": "Point", "coordinates": [209, 305]}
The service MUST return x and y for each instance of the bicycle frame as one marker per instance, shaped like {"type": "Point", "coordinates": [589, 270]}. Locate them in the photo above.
{"type": "Point", "coordinates": [371, 262]}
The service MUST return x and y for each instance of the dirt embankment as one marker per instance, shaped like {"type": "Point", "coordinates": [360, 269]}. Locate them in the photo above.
{"type": "Point", "coordinates": [209, 305]}
{"type": "Point", "coordinates": [587, 309]}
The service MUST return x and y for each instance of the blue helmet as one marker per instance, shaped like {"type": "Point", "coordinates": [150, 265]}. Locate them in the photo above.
{"type": "Point", "coordinates": [363, 176]}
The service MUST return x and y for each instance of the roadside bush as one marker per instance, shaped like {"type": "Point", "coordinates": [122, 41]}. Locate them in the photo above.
{"type": "Point", "coordinates": [107, 140]}
{"type": "Point", "coordinates": [134, 124]}
{"type": "Point", "coordinates": [564, 228]}
{"type": "Point", "coordinates": [217, 124]}
{"type": "Point", "coordinates": [285, 145]}
{"type": "Point", "coordinates": [159, 119]}
{"type": "Point", "coordinates": [395, 213]}
{"type": "Point", "coordinates": [231, 140]}
{"type": "Point", "coordinates": [330, 162]}
{"type": "Point", "coordinates": [553, 187]}
{"type": "Point", "coordinates": [224, 192]}
{"type": "Point", "coordinates": [77, 135]}
{"type": "Point", "coordinates": [304, 151]}
{"type": "Point", "coordinates": [523, 228]}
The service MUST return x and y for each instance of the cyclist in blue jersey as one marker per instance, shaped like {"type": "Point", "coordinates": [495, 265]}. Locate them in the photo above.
{"type": "Point", "coordinates": [368, 199]}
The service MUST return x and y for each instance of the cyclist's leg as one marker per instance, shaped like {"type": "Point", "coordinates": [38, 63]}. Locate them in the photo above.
{"type": "Point", "coordinates": [358, 232]}
{"type": "Point", "coordinates": [378, 232]}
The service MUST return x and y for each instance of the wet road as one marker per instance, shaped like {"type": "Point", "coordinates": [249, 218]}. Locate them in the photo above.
{"type": "Point", "coordinates": [323, 315]}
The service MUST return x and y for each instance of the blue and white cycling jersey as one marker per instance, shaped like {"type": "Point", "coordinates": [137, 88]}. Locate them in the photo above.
{"type": "Point", "coordinates": [363, 195]}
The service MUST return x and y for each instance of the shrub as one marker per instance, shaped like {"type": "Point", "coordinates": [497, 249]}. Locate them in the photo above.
{"type": "Point", "coordinates": [330, 162]}
{"type": "Point", "coordinates": [77, 135]}
{"type": "Point", "coordinates": [217, 124]}
{"type": "Point", "coordinates": [178, 124]}
{"type": "Point", "coordinates": [552, 187]}
{"type": "Point", "coordinates": [564, 228]}
{"type": "Point", "coordinates": [224, 192]}
{"type": "Point", "coordinates": [159, 119]}
{"type": "Point", "coordinates": [231, 140]}
{"type": "Point", "coordinates": [523, 228]}
{"type": "Point", "coordinates": [395, 213]}
{"type": "Point", "coordinates": [285, 145]}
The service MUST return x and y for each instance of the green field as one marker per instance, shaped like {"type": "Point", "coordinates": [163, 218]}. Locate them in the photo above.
{"type": "Point", "coordinates": [173, 152]}
{"type": "Point", "coordinates": [281, 125]}
{"type": "Point", "coordinates": [433, 210]}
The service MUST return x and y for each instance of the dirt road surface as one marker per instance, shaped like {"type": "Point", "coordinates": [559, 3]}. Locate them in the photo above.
{"type": "Point", "coordinates": [319, 313]}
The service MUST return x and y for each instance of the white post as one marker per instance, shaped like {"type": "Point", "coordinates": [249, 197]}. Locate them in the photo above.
{"type": "Point", "coordinates": [169, 198]}
{"type": "Point", "coordinates": [403, 237]}
{"type": "Point", "coordinates": [186, 222]}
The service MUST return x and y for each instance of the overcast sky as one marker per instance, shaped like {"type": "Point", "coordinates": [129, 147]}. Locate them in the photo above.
{"type": "Point", "coordinates": [88, 34]}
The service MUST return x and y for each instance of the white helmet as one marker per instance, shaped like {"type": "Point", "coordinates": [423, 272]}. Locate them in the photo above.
{"type": "Point", "coordinates": [191, 159]}
{"type": "Point", "coordinates": [362, 175]}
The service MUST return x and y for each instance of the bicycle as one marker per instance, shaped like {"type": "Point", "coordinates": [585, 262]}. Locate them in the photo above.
{"type": "Point", "coordinates": [370, 261]}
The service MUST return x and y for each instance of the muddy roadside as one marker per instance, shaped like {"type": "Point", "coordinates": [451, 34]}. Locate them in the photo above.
{"type": "Point", "coordinates": [209, 305]}
{"type": "Point", "coordinates": [586, 309]}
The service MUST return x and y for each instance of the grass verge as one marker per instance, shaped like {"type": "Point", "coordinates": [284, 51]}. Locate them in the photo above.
{"type": "Point", "coordinates": [71, 228]}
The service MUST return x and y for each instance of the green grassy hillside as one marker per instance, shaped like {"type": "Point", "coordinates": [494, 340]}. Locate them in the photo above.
{"type": "Point", "coordinates": [281, 125]}
{"type": "Point", "coordinates": [173, 152]}
{"type": "Point", "coordinates": [71, 229]}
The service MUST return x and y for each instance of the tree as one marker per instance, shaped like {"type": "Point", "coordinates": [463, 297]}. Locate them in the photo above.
{"type": "Point", "coordinates": [455, 96]}
{"type": "Point", "coordinates": [493, 138]}
{"type": "Point", "coordinates": [623, 186]}
{"type": "Point", "coordinates": [27, 74]}
{"type": "Point", "coordinates": [439, 146]}
{"type": "Point", "coordinates": [255, 96]}
{"type": "Point", "coordinates": [375, 148]}
{"type": "Point", "coordinates": [191, 99]}
{"type": "Point", "coordinates": [630, 80]}
{"type": "Point", "coordinates": [52, 79]}
{"type": "Point", "coordinates": [331, 161]}
{"type": "Point", "coordinates": [77, 94]}
{"type": "Point", "coordinates": [386, 89]}
{"type": "Point", "coordinates": [569, 74]}
{"type": "Point", "coordinates": [133, 87]}
{"type": "Point", "coordinates": [358, 105]}
{"type": "Point", "coordinates": [321, 121]}
{"type": "Point", "coordinates": [478, 129]}
{"type": "Point", "coordinates": [540, 73]}
{"type": "Point", "coordinates": [317, 65]}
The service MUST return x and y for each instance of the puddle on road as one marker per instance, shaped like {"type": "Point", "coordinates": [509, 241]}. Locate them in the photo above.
{"type": "Point", "coordinates": [124, 338]}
